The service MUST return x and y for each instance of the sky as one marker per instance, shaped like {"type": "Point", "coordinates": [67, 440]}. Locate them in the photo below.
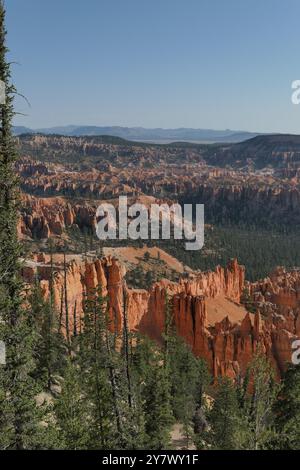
{"type": "Point", "coordinates": [210, 64]}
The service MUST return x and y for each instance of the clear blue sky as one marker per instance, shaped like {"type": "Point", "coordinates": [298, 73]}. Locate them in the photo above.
{"type": "Point", "coordinates": [157, 63]}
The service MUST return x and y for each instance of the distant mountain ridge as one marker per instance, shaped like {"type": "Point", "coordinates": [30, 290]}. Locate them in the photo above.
{"type": "Point", "coordinates": [158, 135]}
{"type": "Point", "coordinates": [271, 150]}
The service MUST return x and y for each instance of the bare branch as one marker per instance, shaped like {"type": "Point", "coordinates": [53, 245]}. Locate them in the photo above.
{"type": "Point", "coordinates": [22, 96]}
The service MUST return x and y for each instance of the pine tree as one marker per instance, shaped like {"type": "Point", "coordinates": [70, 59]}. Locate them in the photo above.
{"type": "Point", "coordinates": [72, 411]}
{"type": "Point", "coordinates": [99, 374]}
{"type": "Point", "coordinates": [287, 411]}
{"type": "Point", "coordinates": [248, 301]}
{"type": "Point", "coordinates": [189, 377]}
{"type": "Point", "coordinates": [157, 392]}
{"type": "Point", "coordinates": [152, 394]}
{"type": "Point", "coordinates": [9, 246]}
{"type": "Point", "coordinates": [67, 313]}
{"type": "Point", "coordinates": [133, 428]}
{"type": "Point", "coordinates": [260, 402]}
{"type": "Point", "coordinates": [50, 346]}
{"type": "Point", "coordinates": [126, 349]}
{"type": "Point", "coordinates": [143, 358]}
{"type": "Point", "coordinates": [20, 418]}
{"type": "Point", "coordinates": [225, 421]}
{"type": "Point", "coordinates": [169, 330]}
{"type": "Point", "coordinates": [157, 408]}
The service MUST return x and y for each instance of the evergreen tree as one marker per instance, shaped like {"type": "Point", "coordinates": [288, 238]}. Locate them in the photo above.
{"type": "Point", "coordinates": [9, 246]}
{"type": "Point", "coordinates": [23, 424]}
{"type": "Point", "coordinates": [189, 377]}
{"type": "Point", "coordinates": [20, 418]}
{"type": "Point", "coordinates": [50, 346]}
{"type": "Point", "coordinates": [67, 313]}
{"type": "Point", "coordinates": [248, 301]}
{"type": "Point", "coordinates": [144, 357]}
{"type": "Point", "coordinates": [224, 418]}
{"type": "Point", "coordinates": [157, 408]}
{"type": "Point", "coordinates": [287, 411]}
{"type": "Point", "coordinates": [99, 374]}
{"type": "Point", "coordinates": [259, 404]}
{"type": "Point", "coordinates": [133, 419]}
{"type": "Point", "coordinates": [72, 412]}
{"type": "Point", "coordinates": [125, 350]}
{"type": "Point", "coordinates": [153, 393]}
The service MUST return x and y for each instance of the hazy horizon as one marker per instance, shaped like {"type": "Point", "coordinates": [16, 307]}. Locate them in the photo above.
{"type": "Point", "coordinates": [202, 64]}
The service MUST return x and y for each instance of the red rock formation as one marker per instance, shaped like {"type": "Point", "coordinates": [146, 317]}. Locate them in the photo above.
{"type": "Point", "coordinates": [44, 217]}
{"type": "Point", "coordinates": [176, 173]}
{"type": "Point", "coordinates": [228, 345]}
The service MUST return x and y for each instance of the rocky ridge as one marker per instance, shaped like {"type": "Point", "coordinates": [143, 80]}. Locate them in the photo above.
{"type": "Point", "coordinates": [228, 345]}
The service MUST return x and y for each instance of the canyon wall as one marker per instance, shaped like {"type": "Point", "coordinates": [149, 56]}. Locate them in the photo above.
{"type": "Point", "coordinates": [227, 336]}
{"type": "Point", "coordinates": [43, 217]}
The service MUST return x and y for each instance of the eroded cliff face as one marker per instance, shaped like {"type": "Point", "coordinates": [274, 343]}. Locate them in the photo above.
{"type": "Point", "coordinates": [61, 189]}
{"type": "Point", "coordinates": [278, 298]}
{"type": "Point", "coordinates": [50, 216]}
{"type": "Point", "coordinates": [206, 309]}
{"type": "Point", "coordinates": [45, 217]}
